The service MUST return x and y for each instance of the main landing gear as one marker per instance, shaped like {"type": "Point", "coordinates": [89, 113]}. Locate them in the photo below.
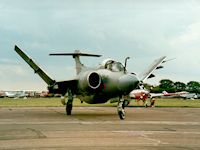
{"type": "Point", "coordinates": [120, 108]}
{"type": "Point", "coordinates": [69, 103]}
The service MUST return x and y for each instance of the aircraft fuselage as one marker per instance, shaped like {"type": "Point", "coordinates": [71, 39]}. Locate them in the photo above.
{"type": "Point", "coordinates": [98, 86]}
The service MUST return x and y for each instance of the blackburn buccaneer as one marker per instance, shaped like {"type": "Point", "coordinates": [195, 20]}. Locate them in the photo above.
{"type": "Point", "coordinates": [95, 85]}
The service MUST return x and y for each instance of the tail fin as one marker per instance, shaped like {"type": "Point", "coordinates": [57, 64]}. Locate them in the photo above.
{"type": "Point", "coordinates": [148, 72]}
{"type": "Point", "coordinates": [35, 67]}
{"type": "Point", "coordinates": [76, 55]}
{"type": "Point", "coordinates": [165, 92]}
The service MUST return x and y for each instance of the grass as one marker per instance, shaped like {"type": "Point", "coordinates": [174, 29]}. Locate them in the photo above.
{"type": "Point", "coordinates": [178, 103]}
{"type": "Point", "coordinates": [29, 102]}
{"type": "Point", "coordinates": [56, 102]}
{"type": "Point", "coordinates": [42, 102]}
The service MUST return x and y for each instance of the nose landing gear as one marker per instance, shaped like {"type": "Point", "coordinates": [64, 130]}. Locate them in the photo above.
{"type": "Point", "coordinates": [120, 108]}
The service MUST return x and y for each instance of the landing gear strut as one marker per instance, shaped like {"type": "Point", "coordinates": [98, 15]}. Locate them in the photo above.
{"type": "Point", "coordinates": [120, 108]}
{"type": "Point", "coordinates": [69, 104]}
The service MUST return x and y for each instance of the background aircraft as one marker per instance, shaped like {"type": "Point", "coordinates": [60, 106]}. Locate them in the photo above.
{"type": "Point", "coordinates": [2, 94]}
{"type": "Point", "coordinates": [187, 95]}
{"type": "Point", "coordinates": [95, 85]}
{"type": "Point", "coordinates": [143, 95]}
{"type": "Point", "coordinates": [16, 94]}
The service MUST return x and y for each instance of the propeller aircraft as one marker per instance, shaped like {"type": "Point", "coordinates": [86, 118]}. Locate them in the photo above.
{"type": "Point", "coordinates": [95, 85]}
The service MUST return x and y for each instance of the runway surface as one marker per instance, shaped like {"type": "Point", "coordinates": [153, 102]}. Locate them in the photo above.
{"type": "Point", "coordinates": [99, 128]}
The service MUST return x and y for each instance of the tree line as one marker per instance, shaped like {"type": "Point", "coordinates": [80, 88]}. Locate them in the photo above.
{"type": "Point", "coordinates": [170, 86]}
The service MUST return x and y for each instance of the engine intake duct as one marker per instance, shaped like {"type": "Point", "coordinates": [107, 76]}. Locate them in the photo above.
{"type": "Point", "coordinates": [94, 80]}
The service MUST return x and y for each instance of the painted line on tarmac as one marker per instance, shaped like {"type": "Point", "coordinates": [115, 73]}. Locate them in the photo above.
{"type": "Point", "coordinates": [2, 121]}
{"type": "Point", "coordinates": [152, 132]}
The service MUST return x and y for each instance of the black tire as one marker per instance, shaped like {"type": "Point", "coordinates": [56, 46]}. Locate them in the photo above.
{"type": "Point", "coordinates": [121, 115]}
{"type": "Point", "coordinates": [69, 109]}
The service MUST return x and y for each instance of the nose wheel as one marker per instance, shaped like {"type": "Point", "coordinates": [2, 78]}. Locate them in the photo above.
{"type": "Point", "coordinates": [120, 108]}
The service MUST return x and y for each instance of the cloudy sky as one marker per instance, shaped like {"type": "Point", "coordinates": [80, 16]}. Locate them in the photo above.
{"type": "Point", "coordinates": [141, 29]}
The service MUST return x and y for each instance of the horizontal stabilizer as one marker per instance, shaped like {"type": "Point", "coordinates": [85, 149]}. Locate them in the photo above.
{"type": "Point", "coordinates": [35, 67]}
{"type": "Point", "coordinates": [76, 53]}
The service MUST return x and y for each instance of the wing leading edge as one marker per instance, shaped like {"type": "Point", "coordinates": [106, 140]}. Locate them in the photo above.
{"type": "Point", "coordinates": [59, 87]}
{"type": "Point", "coordinates": [34, 66]}
{"type": "Point", "coordinates": [148, 72]}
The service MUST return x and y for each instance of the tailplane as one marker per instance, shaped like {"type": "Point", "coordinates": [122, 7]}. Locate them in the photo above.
{"type": "Point", "coordinates": [76, 55]}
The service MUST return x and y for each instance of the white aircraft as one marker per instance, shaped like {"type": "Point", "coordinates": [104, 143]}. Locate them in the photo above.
{"type": "Point", "coordinates": [187, 95]}
{"type": "Point", "coordinates": [16, 94]}
{"type": "Point", "coordinates": [143, 95]}
{"type": "Point", "coordinates": [2, 94]}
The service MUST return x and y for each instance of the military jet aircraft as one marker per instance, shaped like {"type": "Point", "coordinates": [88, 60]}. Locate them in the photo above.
{"type": "Point", "coordinates": [94, 85]}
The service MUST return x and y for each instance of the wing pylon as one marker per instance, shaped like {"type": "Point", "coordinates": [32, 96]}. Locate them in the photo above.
{"type": "Point", "coordinates": [148, 72]}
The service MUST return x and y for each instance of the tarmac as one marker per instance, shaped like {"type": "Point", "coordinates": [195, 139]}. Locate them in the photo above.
{"type": "Point", "coordinates": [48, 128]}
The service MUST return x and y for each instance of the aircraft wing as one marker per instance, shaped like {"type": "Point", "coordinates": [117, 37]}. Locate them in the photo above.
{"type": "Point", "coordinates": [153, 95]}
{"type": "Point", "coordinates": [148, 72]}
{"type": "Point", "coordinates": [60, 87]}
{"type": "Point", "coordinates": [34, 66]}
{"type": "Point", "coordinates": [166, 94]}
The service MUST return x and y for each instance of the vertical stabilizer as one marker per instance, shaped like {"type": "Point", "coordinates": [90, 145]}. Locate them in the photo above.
{"type": "Point", "coordinates": [76, 55]}
{"type": "Point", "coordinates": [79, 65]}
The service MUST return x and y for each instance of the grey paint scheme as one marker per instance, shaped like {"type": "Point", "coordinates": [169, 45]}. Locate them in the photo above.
{"type": "Point", "coordinates": [94, 85]}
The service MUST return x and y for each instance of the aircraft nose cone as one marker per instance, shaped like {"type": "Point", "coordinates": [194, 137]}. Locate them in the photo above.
{"type": "Point", "coordinates": [127, 83]}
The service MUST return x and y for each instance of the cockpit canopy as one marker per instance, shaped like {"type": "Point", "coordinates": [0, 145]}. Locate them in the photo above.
{"type": "Point", "coordinates": [112, 65]}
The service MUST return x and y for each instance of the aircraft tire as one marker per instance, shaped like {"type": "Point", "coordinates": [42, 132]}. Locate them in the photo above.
{"type": "Point", "coordinates": [121, 111]}
{"type": "Point", "coordinates": [121, 114]}
{"type": "Point", "coordinates": [69, 109]}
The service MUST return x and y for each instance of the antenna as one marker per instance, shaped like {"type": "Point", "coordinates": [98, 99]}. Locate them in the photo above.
{"type": "Point", "coordinates": [126, 59]}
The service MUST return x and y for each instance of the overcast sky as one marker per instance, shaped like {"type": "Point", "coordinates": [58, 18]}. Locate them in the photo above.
{"type": "Point", "coordinates": [142, 29]}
